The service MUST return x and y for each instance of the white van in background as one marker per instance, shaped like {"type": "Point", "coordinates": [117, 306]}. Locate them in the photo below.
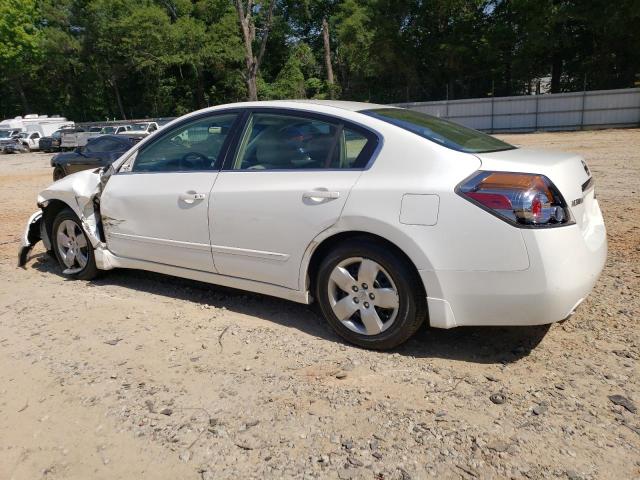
{"type": "Point", "coordinates": [31, 128]}
{"type": "Point", "coordinates": [10, 128]}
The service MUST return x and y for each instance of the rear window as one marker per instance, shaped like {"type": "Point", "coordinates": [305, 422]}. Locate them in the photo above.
{"type": "Point", "coordinates": [443, 132]}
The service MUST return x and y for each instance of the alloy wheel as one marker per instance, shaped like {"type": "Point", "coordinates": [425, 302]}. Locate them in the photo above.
{"type": "Point", "coordinates": [73, 247]}
{"type": "Point", "coordinates": [363, 296]}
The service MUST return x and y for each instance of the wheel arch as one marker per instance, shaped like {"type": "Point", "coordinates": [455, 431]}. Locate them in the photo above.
{"type": "Point", "coordinates": [323, 246]}
{"type": "Point", "coordinates": [49, 212]}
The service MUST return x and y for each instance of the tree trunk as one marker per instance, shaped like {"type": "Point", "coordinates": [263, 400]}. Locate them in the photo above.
{"type": "Point", "coordinates": [327, 55]}
{"type": "Point", "coordinates": [556, 72]}
{"type": "Point", "coordinates": [23, 96]}
{"type": "Point", "coordinates": [116, 91]}
{"type": "Point", "coordinates": [252, 88]}
{"type": "Point", "coordinates": [200, 94]}
{"type": "Point", "coordinates": [248, 29]}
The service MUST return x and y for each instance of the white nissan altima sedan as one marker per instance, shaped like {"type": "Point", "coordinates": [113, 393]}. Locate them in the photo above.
{"type": "Point", "coordinates": [388, 218]}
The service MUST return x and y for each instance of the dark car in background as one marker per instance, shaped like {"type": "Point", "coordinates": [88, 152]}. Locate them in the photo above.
{"type": "Point", "coordinates": [52, 143]}
{"type": "Point", "coordinates": [98, 152]}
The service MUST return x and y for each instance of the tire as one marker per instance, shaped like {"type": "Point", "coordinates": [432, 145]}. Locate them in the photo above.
{"type": "Point", "coordinates": [27, 148]}
{"type": "Point", "coordinates": [78, 261]}
{"type": "Point", "coordinates": [394, 306]}
{"type": "Point", "coordinates": [58, 173]}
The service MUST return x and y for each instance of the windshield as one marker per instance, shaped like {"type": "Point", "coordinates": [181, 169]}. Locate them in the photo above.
{"type": "Point", "coordinates": [139, 127]}
{"type": "Point", "coordinates": [443, 132]}
{"type": "Point", "coordinates": [5, 133]}
{"type": "Point", "coordinates": [108, 130]}
{"type": "Point", "coordinates": [56, 134]}
{"type": "Point", "coordinates": [24, 135]}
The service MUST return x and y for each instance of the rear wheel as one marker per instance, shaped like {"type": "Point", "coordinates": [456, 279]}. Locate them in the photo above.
{"type": "Point", "coordinates": [369, 295]}
{"type": "Point", "coordinates": [72, 247]}
{"type": "Point", "coordinates": [58, 173]}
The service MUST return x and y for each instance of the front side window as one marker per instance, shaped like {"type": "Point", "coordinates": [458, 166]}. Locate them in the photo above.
{"type": "Point", "coordinates": [443, 132]}
{"type": "Point", "coordinates": [289, 142]}
{"type": "Point", "coordinates": [189, 147]}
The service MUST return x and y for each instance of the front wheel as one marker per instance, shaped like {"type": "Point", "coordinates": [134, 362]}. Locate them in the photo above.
{"type": "Point", "coordinates": [72, 247]}
{"type": "Point", "coordinates": [371, 296]}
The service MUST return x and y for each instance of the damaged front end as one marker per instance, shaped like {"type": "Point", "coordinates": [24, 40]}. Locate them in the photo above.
{"type": "Point", "coordinates": [81, 193]}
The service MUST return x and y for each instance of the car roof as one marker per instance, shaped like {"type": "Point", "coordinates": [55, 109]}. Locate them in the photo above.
{"type": "Point", "coordinates": [325, 106]}
{"type": "Point", "coordinates": [119, 138]}
{"type": "Point", "coordinates": [340, 104]}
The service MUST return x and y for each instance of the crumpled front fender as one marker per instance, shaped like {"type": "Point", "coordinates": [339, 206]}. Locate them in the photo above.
{"type": "Point", "coordinates": [78, 191]}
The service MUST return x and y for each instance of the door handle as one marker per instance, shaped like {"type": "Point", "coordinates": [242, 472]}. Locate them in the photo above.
{"type": "Point", "coordinates": [191, 197]}
{"type": "Point", "coordinates": [321, 195]}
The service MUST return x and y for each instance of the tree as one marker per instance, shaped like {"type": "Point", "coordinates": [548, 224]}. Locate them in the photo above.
{"type": "Point", "coordinates": [326, 43]}
{"type": "Point", "coordinates": [248, 29]}
{"type": "Point", "coordinates": [20, 40]}
{"type": "Point", "coordinates": [93, 59]}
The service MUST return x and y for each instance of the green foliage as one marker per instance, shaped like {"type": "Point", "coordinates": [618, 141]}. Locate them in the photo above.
{"type": "Point", "coordinates": [19, 32]}
{"type": "Point", "coordinates": [97, 59]}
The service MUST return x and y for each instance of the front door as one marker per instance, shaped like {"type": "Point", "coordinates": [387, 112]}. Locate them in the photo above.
{"type": "Point", "coordinates": [288, 181]}
{"type": "Point", "coordinates": [158, 211]}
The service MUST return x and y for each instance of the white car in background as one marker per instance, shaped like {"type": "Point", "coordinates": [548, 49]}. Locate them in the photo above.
{"type": "Point", "coordinates": [140, 129]}
{"type": "Point", "coordinates": [30, 140]}
{"type": "Point", "coordinates": [115, 129]}
{"type": "Point", "coordinates": [388, 218]}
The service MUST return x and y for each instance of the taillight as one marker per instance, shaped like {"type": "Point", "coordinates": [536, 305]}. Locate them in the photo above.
{"type": "Point", "coordinates": [523, 199]}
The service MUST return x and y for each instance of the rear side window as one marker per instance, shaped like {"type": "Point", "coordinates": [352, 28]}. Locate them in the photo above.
{"type": "Point", "coordinates": [275, 141]}
{"type": "Point", "coordinates": [443, 132]}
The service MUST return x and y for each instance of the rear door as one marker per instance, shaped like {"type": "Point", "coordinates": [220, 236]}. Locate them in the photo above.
{"type": "Point", "coordinates": [158, 209]}
{"type": "Point", "coordinates": [287, 182]}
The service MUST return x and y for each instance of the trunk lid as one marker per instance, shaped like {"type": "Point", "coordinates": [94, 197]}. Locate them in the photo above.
{"type": "Point", "coordinates": [568, 172]}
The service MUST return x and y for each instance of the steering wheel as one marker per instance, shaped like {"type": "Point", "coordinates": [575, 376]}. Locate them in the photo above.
{"type": "Point", "coordinates": [195, 161]}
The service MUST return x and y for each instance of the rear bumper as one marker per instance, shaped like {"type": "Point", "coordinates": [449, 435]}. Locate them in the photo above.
{"type": "Point", "coordinates": [565, 264]}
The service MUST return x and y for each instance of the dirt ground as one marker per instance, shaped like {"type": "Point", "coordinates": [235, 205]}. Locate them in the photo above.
{"type": "Point", "coordinates": [138, 375]}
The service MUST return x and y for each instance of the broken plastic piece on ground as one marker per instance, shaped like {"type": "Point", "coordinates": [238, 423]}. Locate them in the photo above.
{"type": "Point", "coordinates": [30, 238]}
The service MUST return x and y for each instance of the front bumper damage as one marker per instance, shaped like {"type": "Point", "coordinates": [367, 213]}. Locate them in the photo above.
{"type": "Point", "coordinates": [34, 232]}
